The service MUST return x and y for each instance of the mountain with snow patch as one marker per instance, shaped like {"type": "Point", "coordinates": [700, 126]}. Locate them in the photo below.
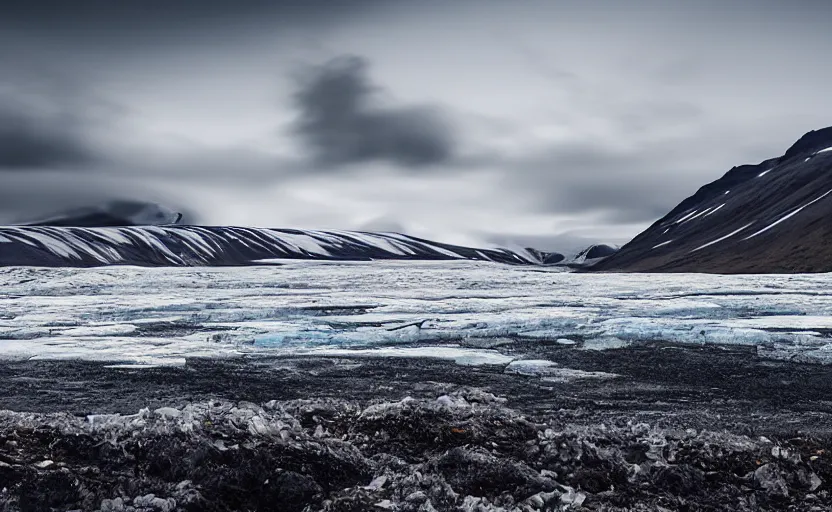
{"type": "Point", "coordinates": [591, 255]}
{"type": "Point", "coordinates": [176, 245]}
{"type": "Point", "coordinates": [773, 217]}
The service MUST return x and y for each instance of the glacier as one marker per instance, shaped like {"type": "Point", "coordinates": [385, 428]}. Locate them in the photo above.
{"type": "Point", "coordinates": [465, 311]}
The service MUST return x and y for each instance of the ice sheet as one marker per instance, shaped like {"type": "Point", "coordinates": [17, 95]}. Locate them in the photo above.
{"type": "Point", "coordinates": [146, 316]}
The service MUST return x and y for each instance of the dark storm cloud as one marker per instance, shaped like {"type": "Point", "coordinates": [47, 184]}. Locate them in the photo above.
{"type": "Point", "coordinates": [26, 196]}
{"type": "Point", "coordinates": [143, 24]}
{"type": "Point", "coordinates": [29, 140]}
{"type": "Point", "coordinates": [49, 117]}
{"type": "Point", "coordinates": [342, 123]}
{"type": "Point", "coordinates": [54, 151]}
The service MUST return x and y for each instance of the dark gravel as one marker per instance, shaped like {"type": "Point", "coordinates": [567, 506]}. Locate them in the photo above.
{"type": "Point", "coordinates": [680, 428]}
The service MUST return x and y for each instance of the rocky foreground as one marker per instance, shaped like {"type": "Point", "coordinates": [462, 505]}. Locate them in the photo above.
{"type": "Point", "coordinates": [416, 435]}
{"type": "Point", "coordinates": [462, 451]}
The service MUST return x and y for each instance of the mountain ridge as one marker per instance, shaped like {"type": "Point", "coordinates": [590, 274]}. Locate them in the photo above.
{"type": "Point", "coordinates": [183, 245]}
{"type": "Point", "coordinates": [763, 218]}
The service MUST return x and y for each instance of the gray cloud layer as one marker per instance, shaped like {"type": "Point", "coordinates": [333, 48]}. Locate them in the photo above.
{"type": "Point", "coordinates": [603, 112]}
{"type": "Point", "coordinates": [341, 121]}
{"type": "Point", "coordinates": [50, 160]}
{"type": "Point", "coordinates": [29, 140]}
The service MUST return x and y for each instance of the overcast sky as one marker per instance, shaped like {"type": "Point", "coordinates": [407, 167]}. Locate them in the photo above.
{"type": "Point", "coordinates": [544, 122]}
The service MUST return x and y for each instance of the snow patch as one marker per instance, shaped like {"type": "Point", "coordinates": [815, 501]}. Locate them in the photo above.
{"type": "Point", "coordinates": [685, 217]}
{"type": "Point", "coordinates": [729, 235]}
{"type": "Point", "coordinates": [789, 215]}
{"type": "Point", "coordinates": [715, 210]}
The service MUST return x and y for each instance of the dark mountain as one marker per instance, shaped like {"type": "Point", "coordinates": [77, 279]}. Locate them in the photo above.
{"type": "Point", "coordinates": [772, 217]}
{"type": "Point", "coordinates": [594, 252]}
{"type": "Point", "coordinates": [61, 246]}
{"type": "Point", "coordinates": [546, 258]}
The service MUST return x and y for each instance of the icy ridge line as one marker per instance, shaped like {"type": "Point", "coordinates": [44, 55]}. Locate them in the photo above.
{"type": "Point", "coordinates": [225, 246]}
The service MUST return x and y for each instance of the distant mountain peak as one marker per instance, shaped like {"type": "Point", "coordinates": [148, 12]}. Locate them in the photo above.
{"type": "Point", "coordinates": [811, 142]}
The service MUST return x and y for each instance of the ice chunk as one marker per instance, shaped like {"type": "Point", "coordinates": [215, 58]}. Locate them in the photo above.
{"type": "Point", "coordinates": [461, 356]}
{"type": "Point", "coordinates": [530, 366]}
{"type": "Point", "coordinates": [551, 372]}
{"type": "Point", "coordinates": [168, 412]}
{"type": "Point", "coordinates": [605, 343]}
{"type": "Point", "coordinates": [564, 375]}
{"type": "Point", "coordinates": [377, 483]}
{"type": "Point", "coordinates": [101, 330]}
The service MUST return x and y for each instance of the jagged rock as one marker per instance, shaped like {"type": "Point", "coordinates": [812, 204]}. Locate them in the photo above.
{"type": "Point", "coordinates": [770, 478]}
{"type": "Point", "coordinates": [411, 455]}
{"type": "Point", "coordinates": [479, 473]}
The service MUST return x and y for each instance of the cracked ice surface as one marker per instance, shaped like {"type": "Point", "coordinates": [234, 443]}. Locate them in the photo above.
{"type": "Point", "coordinates": [150, 316]}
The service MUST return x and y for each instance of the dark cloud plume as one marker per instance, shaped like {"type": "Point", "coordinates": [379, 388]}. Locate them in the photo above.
{"type": "Point", "coordinates": [150, 22]}
{"type": "Point", "coordinates": [54, 155]}
{"type": "Point", "coordinates": [47, 117]}
{"type": "Point", "coordinates": [31, 140]}
{"type": "Point", "coordinates": [341, 123]}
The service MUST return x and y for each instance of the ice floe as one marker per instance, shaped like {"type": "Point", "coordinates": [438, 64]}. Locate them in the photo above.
{"type": "Point", "coordinates": [552, 372]}
{"type": "Point", "coordinates": [152, 316]}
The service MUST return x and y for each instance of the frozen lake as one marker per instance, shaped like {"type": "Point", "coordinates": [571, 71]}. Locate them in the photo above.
{"type": "Point", "coordinates": [152, 316]}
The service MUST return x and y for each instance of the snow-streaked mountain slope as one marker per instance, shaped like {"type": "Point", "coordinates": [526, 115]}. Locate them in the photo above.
{"type": "Point", "coordinates": [60, 246]}
{"type": "Point", "coordinates": [772, 217]}
{"type": "Point", "coordinates": [591, 255]}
